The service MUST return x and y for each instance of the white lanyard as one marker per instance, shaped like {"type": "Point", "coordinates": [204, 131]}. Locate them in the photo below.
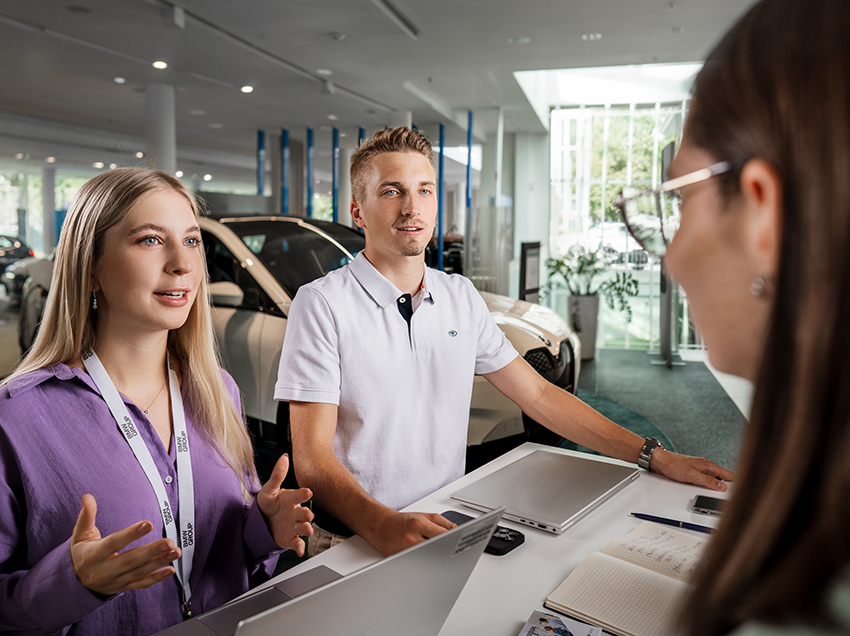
{"type": "Point", "coordinates": [185, 488]}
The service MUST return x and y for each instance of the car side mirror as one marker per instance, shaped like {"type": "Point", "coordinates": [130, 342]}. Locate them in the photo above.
{"type": "Point", "coordinates": [226, 294]}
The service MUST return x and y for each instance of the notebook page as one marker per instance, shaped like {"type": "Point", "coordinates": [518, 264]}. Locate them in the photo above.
{"type": "Point", "coordinates": [620, 597]}
{"type": "Point", "coordinates": [661, 549]}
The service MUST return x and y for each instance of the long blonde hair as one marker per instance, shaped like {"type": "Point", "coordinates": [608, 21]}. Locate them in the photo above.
{"type": "Point", "coordinates": [68, 325]}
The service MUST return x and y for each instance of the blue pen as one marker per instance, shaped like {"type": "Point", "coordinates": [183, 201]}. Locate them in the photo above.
{"type": "Point", "coordinates": [673, 522]}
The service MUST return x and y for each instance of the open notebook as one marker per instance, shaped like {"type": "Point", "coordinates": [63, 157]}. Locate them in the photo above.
{"type": "Point", "coordinates": [636, 586]}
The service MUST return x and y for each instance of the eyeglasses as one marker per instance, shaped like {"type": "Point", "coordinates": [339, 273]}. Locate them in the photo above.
{"type": "Point", "coordinates": [652, 216]}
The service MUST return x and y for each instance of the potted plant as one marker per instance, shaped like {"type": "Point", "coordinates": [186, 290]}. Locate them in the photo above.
{"type": "Point", "coordinates": [582, 272]}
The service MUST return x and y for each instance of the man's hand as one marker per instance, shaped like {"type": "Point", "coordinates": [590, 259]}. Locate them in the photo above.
{"type": "Point", "coordinates": [400, 530]}
{"type": "Point", "coordinates": [102, 569]}
{"type": "Point", "coordinates": [691, 470]}
{"type": "Point", "coordinates": [287, 519]}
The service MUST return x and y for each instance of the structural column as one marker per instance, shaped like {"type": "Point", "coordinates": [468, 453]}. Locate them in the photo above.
{"type": "Point", "coordinates": [160, 128]}
{"type": "Point", "coordinates": [296, 177]}
{"type": "Point", "coordinates": [276, 156]}
{"type": "Point", "coordinates": [48, 198]}
{"type": "Point", "coordinates": [345, 187]}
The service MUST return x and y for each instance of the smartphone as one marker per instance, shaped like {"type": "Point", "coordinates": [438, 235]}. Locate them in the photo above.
{"type": "Point", "coordinates": [708, 505]}
{"type": "Point", "coordinates": [503, 540]}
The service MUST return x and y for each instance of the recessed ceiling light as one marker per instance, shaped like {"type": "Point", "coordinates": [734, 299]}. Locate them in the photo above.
{"type": "Point", "coordinates": [333, 117]}
{"type": "Point", "coordinates": [247, 89]}
{"type": "Point", "coordinates": [160, 64]}
{"type": "Point", "coordinates": [207, 177]}
{"type": "Point", "coordinates": [178, 174]}
{"type": "Point", "coordinates": [119, 80]}
{"type": "Point", "coordinates": [338, 36]}
{"type": "Point", "coordinates": [519, 40]}
{"type": "Point", "coordinates": [197, 112]}
{"type": "Point", "coordinates": [676, 30]}
{"type": "Point", "coordinates": [315, 195]}
{"type": "Point", "coordinates": [112, 166]}
{"type": "Point", "coordinates": [51, 160]}
{"type": "Point", "coordinates": [324, 71]}
{"type": "Point", "coordinates": [591, 36]}
{"type": "Point", "coordinates": [139, 155]}
{"type": "Point", "coordinates": [97, 164]}
{"type": "Point", "coordinates": [215, 126]}
{"type": "Point", "coordinates": [20, 155]}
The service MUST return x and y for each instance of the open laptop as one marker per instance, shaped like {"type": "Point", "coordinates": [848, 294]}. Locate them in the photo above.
{"type": "Point", "coordinates": [413, 589]}
{"type": "Point", "coordinates": [547, 490]}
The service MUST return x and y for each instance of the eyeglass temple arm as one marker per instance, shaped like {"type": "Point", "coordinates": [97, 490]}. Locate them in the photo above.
{"type": "Point", "coordinates": [695, 177]}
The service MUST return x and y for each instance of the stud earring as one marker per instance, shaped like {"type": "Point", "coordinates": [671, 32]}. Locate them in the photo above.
{"type": "Point", "coordinates": [93, 300]}
{"type": "Point", "coordinates": [757, 286]}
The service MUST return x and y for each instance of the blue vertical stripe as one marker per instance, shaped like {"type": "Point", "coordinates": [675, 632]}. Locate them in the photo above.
{"type": "Point", "coordinates": [284, 171]}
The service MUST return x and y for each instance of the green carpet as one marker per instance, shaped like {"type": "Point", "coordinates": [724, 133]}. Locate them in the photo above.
{"type": "Point", "coordinates": [623, 416]}
{"type": "Point", "coordinates": [686, 402]}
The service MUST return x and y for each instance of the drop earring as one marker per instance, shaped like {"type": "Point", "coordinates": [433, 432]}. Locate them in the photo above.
{"type": "Point", "coordinates": [93, 300]}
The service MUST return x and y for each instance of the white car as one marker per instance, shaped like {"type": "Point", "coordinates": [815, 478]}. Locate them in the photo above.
{"type": "Point", "coordinates": [256, 264]}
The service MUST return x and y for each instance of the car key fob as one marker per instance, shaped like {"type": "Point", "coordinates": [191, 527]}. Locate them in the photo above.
{"type": "Point", "coordinates": [503, 540]}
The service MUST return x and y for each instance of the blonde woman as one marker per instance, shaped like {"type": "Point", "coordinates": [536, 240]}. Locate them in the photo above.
{"type": "Point", "coordinates": [128, 495]}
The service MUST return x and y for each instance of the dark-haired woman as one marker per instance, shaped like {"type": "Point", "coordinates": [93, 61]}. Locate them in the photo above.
{"type": "Point", "coordinates": [763, 252]}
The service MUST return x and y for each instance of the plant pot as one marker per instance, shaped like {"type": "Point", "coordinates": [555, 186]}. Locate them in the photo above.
{"type": "Point", "coordinates": [583, 318]}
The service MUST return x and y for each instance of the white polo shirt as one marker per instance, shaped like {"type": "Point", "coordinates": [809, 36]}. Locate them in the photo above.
{"type": "Point", "coordinates": [403, 395]}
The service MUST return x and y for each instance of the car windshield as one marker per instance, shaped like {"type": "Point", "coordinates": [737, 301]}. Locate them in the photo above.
{"type": "Point", "coordinates": [297, 253]}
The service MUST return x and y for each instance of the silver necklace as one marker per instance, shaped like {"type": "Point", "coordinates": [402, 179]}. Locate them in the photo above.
{"type": "Point", "coordinates": [164, 382]}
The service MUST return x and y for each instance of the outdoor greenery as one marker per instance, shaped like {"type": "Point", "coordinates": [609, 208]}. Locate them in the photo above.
{"type": "Point", "coordinates": [583, 273]}
{"type": "Point", "coordinates": [617, 156]}
{"type": "Point", "coordinates": [609, 163]}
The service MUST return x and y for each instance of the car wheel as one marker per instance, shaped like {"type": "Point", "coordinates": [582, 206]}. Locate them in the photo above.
{"type": "Point", "coordinates": [32, 308]}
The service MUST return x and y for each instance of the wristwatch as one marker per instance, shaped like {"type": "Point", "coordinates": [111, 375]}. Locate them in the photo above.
{"type": "Point", "coordinates": [650, 445]}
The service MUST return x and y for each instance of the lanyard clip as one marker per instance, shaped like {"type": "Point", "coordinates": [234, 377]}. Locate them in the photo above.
{"type": "Point", "coordinates": [186, 609]}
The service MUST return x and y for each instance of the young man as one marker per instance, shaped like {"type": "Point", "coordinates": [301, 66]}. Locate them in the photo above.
{"type": "Point", "coordinates": [378, 365]}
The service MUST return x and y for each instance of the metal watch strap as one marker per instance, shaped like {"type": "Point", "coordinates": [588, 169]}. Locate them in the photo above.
{"type": "Point", "coordinates": [650, 445]}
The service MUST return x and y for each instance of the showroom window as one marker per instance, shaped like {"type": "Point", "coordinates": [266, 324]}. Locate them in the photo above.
{"type": "Point", "coordinates": [595, 152]}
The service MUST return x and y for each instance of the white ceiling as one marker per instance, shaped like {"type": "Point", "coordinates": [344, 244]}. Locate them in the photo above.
{"type": "Point", "coordinates": [60, 58]}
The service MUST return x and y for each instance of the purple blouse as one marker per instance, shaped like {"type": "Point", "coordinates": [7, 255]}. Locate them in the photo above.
{"type": "Point", "coordinates": [58, 441]}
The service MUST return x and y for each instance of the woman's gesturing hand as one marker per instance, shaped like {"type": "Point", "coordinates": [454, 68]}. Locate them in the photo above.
{"type": "Point", "coordinates": [288, 520]}
{"type": "Point", "coordinates": [101, 568]}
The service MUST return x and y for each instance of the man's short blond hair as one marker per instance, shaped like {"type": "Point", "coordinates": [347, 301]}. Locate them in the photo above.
{"type": "Point", "coordinates": [400, 139]}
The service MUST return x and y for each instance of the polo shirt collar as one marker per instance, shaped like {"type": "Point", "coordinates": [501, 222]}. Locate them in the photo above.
{"type": "Point", "coordinates": [378, 286]}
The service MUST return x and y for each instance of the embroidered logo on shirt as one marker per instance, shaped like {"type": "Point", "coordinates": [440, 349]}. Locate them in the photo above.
{"type": "Point", "coordinates": [453, 333]}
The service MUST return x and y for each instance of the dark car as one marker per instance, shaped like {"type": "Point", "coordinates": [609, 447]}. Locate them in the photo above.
{"type": "Point", "coordinates": [12, 249]}
{"type": "Point", "coordinates": [14, 258]}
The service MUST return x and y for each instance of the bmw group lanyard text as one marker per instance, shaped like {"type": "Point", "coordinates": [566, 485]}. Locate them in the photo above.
{"type": "Point", "coordinates": [185, 488]}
